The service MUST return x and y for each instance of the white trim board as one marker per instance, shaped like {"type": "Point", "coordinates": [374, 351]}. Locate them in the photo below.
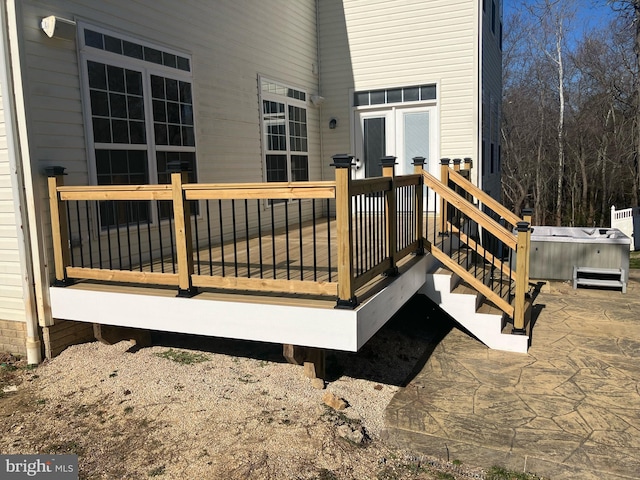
{"type": "Point", "coordinates": [335, 329]}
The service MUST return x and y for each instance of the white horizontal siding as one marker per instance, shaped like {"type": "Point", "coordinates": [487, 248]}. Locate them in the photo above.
{"type": "Point", "coordinates": [11, 293]}
{"type": "Point", "coordinates": [382, 43]}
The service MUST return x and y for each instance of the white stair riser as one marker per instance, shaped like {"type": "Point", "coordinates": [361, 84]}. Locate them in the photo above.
{"type": "Point", "coordinates": [463, 308]}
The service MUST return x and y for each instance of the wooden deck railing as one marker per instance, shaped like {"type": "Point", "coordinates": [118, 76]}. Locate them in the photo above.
{"type": "Point", "coordinates": [313, 238]}
{"type": "Point", "coordinates": [262, 237]}
{"type": "Point", "coordinates": [475, 239]}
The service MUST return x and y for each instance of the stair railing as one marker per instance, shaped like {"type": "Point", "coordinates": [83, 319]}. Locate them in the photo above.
{"type": "Point", "coordinates": [478, 239]}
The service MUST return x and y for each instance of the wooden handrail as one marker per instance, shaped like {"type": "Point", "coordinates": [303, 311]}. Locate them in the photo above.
{"type": "Point", "coordinates": [486, 199]}
{"type": "Point", "coordinates": [501, 233]}
{"type": "Point", "coordinates": [370, 185]}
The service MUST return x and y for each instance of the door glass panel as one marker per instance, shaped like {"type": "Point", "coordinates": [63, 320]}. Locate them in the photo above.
{"type": "Point", "coordinates": [416, 139]}
{"type": "Point", "coordinates": [375, 145]}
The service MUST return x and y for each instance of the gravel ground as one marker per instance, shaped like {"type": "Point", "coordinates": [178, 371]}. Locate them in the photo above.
{"type": "Point", "coordinates": [191, 408]}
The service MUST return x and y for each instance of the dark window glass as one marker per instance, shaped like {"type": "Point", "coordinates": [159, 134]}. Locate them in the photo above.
{"type": "Point", "coordinates": [394, 96]}
{"type": "Point", "coordinates": [132, 50]}
{"type": "Point", "coordinates": [188, 137]}
{"type": "Point", "coordinates": [97, 75]}
{"type": "Point", "coordinates": [160, 130]}
{"type": "Point", "coordinates": [116, 79]}
{"type": "Point", "coordinates": [276, 168]}
{"type": "Point", "coordinates": [157, 87]}
{"type": "Point", "coordinates": [118, 105]}
{"type": "Point", "coordinates": [137, 132]}
{"type": "Point", "coordinates": [136, 108]}
{"type": "Point", "coordinates": [377, 97]}
{"type": "Point", "coordinates": [185, 92]}
{"type": "Point", "coordinates": [101, 130]}
{"type": "Point", "coordinates": [134, 82]}
{"type": "Point", "coordinates": [152, 55]}
{"type": "Point", "coordinates": [171, 89]}
{"type": "Point", "coordinates": [112, 44]}
{"type": "Point", "coordinates": [428, 92]}
{"type": "Point", "coordinates": [169, 60]}
{"type": "Point", "coordinates": [173, 112]}
{"type": "Point", "coordinates": [411, 94]}
{"type": "Point", "coordinates": [175, 135]}
{"type": "Point", "coordinates": [186, 114]}
{"type": "Point", "coordinates": [183, 64]}
{"type": "Point", "coordinates": [99, 103]}
{"type": "Point", "coordinates": [159, 111]}
{"type": "Point", "coordinates": [361, 98]}
{"type": "Point", "coordinates": [299, 168]}
{"type": "Point", "coordinates": [120, 130]}
{"type": "Point", "coordinates": [93, 39]}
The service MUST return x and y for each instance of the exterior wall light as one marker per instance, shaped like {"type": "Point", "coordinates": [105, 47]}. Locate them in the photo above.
{"type": "Point", "coordinates": [333, 123]}
{"type": "Point", "coordinates": [58, 27]}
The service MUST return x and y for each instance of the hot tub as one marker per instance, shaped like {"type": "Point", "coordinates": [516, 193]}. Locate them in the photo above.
{"type": "Point", "coordinates": [556, 250]}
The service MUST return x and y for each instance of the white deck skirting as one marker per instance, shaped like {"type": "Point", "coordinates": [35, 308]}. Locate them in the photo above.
{"type": "Point", "coordinates": [310, 326]}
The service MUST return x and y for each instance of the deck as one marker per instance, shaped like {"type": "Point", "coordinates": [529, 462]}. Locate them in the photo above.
{"type": "Point", "coordinates": [317, 264]}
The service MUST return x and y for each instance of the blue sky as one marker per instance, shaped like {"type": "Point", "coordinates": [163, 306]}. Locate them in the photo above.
{"type": "Point", "coordinates": [590, 14]}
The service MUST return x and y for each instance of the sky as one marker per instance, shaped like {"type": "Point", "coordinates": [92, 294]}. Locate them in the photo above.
{"type": "Point", "coordinates": [590, 14]}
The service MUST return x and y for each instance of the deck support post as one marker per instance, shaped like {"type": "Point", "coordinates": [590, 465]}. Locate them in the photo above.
{"type": "Point", "coordinates": [346, 285]}
{"type": "Point", "coordinates": [312, 359]}
{"type": "Point", "coordinates": [527, 216]}
{"type": "Point", "coordinates": [522, 280]}
{"type": "Point", "coordinates": [59, 226]}
{"type": "Point", "coordinates": [444, 179]}
{"type": "Point", "coordinates": [184, 243]}
{"type": "Point", "coordinates": [418, 168]}
{"type": "Point", "coordinates": [388, 170]}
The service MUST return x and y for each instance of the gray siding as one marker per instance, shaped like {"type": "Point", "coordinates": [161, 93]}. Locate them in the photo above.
{"type": "Point", "coordinates": [492, 95]}
{"type": "Point", "coordinates": [11, 294]}
{"type": "Point", "coordinates": [381, 43]}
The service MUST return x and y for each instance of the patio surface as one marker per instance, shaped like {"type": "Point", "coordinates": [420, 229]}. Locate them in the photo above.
{"type": "Point", "coordinates": [568, 409]}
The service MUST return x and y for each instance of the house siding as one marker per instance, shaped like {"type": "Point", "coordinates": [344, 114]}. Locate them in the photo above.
{"type": "Point", "coordinates": [372, 44]}
{"type": "Point", "coordinates": [492, 96]}
{"type": "Point", "coordinates": [230, 44]}
{"type": "Point", "coordinates": [12, 308]}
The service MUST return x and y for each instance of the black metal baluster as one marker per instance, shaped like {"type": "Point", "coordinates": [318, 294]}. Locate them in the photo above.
{"type": "Point", "coordinates": [115, 214]}
{"type": "Point", "coordinates": [160, 237]}
{"type": "Point", "coordinates": [315, 245]}
{"type": "Point", "coordinates": [99, 235]}
{"type": "Point", "coordinates": [109, 239]}
{"type": "Point", "coordinates": [235, 237]}
{"type": "Point", "coordinates": [148, 234]}
{"type": "Point", "coordinates": [127, 205]}
{"type": "Point", "coordinates": [259, 210]}
{"type": "Point", "coordinates": [78, 220]}
{"type": "Point", "coordinates": [286, 229]}
{"type": "Point", "coordinates": [138, 234]}
{"type": "Point", "coordinates": [358, 235]}
{"type": "Point", "coordinates": [300, 230]}
{"type": "Point", "coordinates": [246, 235]}
{"type": "Point", "coordinates": [329, 236]}
{"type": "Point", "coordinates": [172, 238]}
{"type": "Point", "coordinates": [197, 235]}
{"type": "Point", "coordinates": [69, 234]}
{"type": "Point", "coordinates": [209, 237]}
{"type": "Point", "coordinates": [86, 207]}
{"type": "Point", "coordinates": [273, 239]}
{"type": "Point", "coordinates": [221, 236]}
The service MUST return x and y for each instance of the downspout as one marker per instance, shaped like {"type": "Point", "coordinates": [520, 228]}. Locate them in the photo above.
{"type": "Point", "coordinates": [33, 346]}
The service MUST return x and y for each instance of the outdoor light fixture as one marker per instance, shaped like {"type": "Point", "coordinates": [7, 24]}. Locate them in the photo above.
{"type": "Point", "coordinates": [58, 27]}
{"type": "Point", "coordinates": [333, 123]}
{"type": "Point", "coordinates": [316, 100]}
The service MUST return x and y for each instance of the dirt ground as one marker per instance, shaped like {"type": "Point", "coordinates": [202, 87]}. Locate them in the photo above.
{"type": "Point", "coordinates": [192, 407]}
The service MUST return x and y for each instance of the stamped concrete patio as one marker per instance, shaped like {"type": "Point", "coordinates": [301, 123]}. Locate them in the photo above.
{"type": "Point", "coordinates": [568, 409]}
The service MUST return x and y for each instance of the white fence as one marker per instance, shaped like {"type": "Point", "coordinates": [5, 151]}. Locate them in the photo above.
{"type": "Point", "coordinates": [628, 222]}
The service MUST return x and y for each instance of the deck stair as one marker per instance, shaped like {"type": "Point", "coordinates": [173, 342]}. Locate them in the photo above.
{"type": "Point", "coordinates": [472, 311]}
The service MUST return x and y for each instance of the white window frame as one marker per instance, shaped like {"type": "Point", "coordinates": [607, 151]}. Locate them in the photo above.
{"type": "Point", "coordinates": [287, 101]}
{"type": "Point", "coordinates": [147, 69]}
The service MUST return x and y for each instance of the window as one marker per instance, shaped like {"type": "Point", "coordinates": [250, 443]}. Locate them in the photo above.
{"type": "Point", "coordinates": [395, 95]}
{"type": "Point", "coordinates": [140, 103]}
{"type": "Point", "coordinates": [284, 132]}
